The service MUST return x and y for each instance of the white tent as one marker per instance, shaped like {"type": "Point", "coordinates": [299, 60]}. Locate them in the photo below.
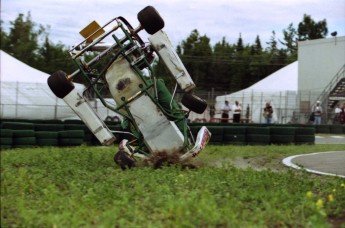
{"type": "Point", "coordinates": [25, 93]}
{"type": "Point", "coordinates": [279, 88]}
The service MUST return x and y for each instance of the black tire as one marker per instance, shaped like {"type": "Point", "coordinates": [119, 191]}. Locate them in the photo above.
{"type": "Point", "coordinates": [258, 130]}
{"type": "Point", "coordinates": [6, 141]}
{"type": "Point", "coordinates": [150, 19]}
{"type": "Point", "coordinates": [24, 141]}
{"type": "Point", "coordinates": [77, 134]}
{"type": "Point", "coordinates": [305, 131]}
{"type": "Point", "coordinates": [283, 130]}
{"type": "Point", "coordinates": [123, 160]}
{"type": "Point", "coordinates": [282, 139]}
{"type": "Point", "coordinates": [49, 127]}
{"type": "Point", "coordinates": [18, 126]}
{"type": "Point", "coordinates": [258, 139]}
{"type": "Point", "coordinates": [194, 103]}
{"type": "Point", "coordinates": [70, 141]}
{"type": "Point", "coordinates": [59, 84]}
{"type": "Point", "coordinates": [46, 135]}
{"type": "Point", "coordinates": [23, 133]}
{"type": "Point", "coordinates": [234, 130]}
{"type": "Point", "coordinates": [6, 133]}
{"type": "Point", "coordinates": [47, 142]}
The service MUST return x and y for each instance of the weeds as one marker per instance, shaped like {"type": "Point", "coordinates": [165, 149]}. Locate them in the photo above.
{"type": "Point", "coordinates": [82, 187]}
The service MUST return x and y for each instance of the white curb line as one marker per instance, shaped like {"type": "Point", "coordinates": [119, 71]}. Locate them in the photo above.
{"type": "Point", "coordinates": [288, 162]}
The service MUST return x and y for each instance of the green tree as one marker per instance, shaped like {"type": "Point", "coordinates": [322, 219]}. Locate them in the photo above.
{"type": "Point", "coordinates": [197, 56]}
{"type": "Point", "coordinates": [222, 69]}
{"type": "Point", "coordinates": [308, 29]}
{"type": "Point", "coordinates": [22, 40]}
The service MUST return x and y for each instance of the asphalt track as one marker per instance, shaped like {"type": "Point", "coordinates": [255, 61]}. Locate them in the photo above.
{"type": "Point", "coordinates": [331, 163]}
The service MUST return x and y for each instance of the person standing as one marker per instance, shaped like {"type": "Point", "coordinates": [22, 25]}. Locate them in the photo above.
{"type": "Point", "coordinates": [337, 112]}
{"type": "Point", "coordinates": [268, 113]}
{"type": "Point", "coordinates": [236, 109]}
{"type": "Point", "coordinates": [225, 112]}
{"type": "Point", "coordinates": [317, 110]}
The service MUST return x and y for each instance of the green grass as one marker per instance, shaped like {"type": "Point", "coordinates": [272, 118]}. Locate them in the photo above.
{"type": "Point", "coordinates": [81, 187]}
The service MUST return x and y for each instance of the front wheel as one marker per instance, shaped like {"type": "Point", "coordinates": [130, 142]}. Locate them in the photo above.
{"type": "Point", "coordinates": [150, 19]}
{"type": "Point", "coordinates": [59, 84]}
{"type": "Point", "coordinates": [194, 103]}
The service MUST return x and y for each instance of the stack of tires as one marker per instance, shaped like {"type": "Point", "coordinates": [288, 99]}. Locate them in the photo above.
{"type": "Point", "coordinates": [47, 134]}
{"type": "Point", "coordinates": [336, 129]}
{"type": "Point", "coordinates": [258, 136]}
{"type": "Point", "coordinates": [282, 135]}
{"type": "Point", "coordinates": [71, 137]}
{"type": "Point", "coordinates": [217, 134]}
{"type": "Point", "coordinates": [88, 136]}
{"type": "Point", "coordinates": [322, 129]}
{"type": "Point", "coordinates": [305, 135]}
{"type": "Point", "coordinates": [6, 140]}
{"type": "Point", "coordinates": [234, 135]}
{"type": "Point", "coordinates": [23, 134]}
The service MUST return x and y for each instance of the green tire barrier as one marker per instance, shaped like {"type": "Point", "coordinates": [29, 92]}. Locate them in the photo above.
{"type": "Point", "coordinates": [217, 134]}
{"type": "Point", "coordinates": [6, 141]}
{"type": "Point", "coordinates": [70, 142]}
{"type": "Point", "coordinates": [47, 142]}
{"type": "Point", "coordinates": [71, 137]}
{"type": "Point", "coordinates": [46, 134]}
{"type": "Point", "coordinates": [18, 126]}
{"type": "Point", "coordinates": [282, 139]}
{"type": "Point", "coordinates": [258, 130]}
{"type": "Point", "coordinates": [49, 127]}
{"type": "Point", "coordinates": [6, 133]}
{"type": "Point", "coordinates": [323, 129]}
{"type": "Point", "coordinates": [24, 141]}
{"type": "Point", "coordinates": [304, 139]}
{"type": "Point", "coordinates": [236, 139]}
{"type": "Point", "coordinates": [72, 134]}
{"type": "Point", "coordinates": [258, 139]}
{"type": "Point", "coordinates": [336, 129]}
{"type": "Point", "coordinates": [234, 130]}
{"type": "Point", "coordinates": [23, 133]}
{"type": "Point", "coordinates": [305, 131]}
{"type": "Point", "coordinates": [282, 130]}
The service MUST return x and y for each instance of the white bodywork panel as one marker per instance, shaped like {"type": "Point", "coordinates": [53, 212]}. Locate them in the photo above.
{"type": "Point", "coordinates": [123, 81]}
{"type": "Point", "coordinates": [82, 108]}
{"type": "Point", "coordinates": [159, 133]}
{"type": "Point", "coordinates": [166, 52]}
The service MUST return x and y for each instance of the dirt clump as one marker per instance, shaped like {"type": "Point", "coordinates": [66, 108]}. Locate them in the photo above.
{"type": "Point", "coordinates": [160, 159]}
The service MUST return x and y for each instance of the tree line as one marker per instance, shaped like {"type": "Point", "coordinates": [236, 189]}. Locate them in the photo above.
{"type": "Point", "coordinates": [223, 66]}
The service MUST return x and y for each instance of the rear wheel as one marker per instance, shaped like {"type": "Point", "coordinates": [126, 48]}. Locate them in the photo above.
{"type": "Point", "coordinates": [59, 84]}
{"type": "Point", "coordinates": [123, 160]}
{"type": "Point", "coordinates": [150, 19]}
{"type": "Point", "coordinates": [194, 103]}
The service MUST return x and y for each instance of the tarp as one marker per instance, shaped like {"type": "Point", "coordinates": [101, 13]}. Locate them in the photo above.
{"type": "Point", "coordinates": [25, 94]}
{"type": "Point", "coordinates": [279, 88]}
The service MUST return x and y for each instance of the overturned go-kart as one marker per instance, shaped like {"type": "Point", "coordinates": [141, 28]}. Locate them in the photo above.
{"type": "Point", "coordinates": [153, 122]}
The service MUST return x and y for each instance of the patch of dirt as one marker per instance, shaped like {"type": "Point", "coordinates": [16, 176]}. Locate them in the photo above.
{"type": "Point", "coordinates": [159, 159]}
{"type": "Point", "coordinates": [255, 163]}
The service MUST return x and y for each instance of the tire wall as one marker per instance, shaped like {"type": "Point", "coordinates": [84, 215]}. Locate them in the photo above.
{"type": "Point", "coordinates": [27, 133]}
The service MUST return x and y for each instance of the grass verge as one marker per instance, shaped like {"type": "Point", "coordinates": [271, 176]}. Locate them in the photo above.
{"type": "Point", "coordinates": [81, 187]}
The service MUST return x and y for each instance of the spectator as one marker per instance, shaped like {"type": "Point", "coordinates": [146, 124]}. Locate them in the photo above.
{"type": "Point", "coordinates": [317, 110]}
{"type": "Point", "coordinates": [342, 115]}
{"type": "Point", "coordinates": [268, 111]}
{"type": "Point", "coordinates": [236, 109]}
{"type": "Point", "coordinates": [225, 112]}
{"type": "Point", "coordinates": [337, 112]}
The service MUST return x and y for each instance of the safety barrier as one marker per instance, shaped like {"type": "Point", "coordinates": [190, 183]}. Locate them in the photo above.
{"type": "Point", "coordinates": [17, 134]}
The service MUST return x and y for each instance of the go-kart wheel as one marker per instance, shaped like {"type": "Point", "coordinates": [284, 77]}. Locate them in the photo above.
{"type": "Point", "coordinates": [150, 19]}
{"type": "Point", "coordinates": [194, 103]}
{"type": "Point", "coordinates": [123, 160]}
{"type": "Point", "coordinates": [59, 84]}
